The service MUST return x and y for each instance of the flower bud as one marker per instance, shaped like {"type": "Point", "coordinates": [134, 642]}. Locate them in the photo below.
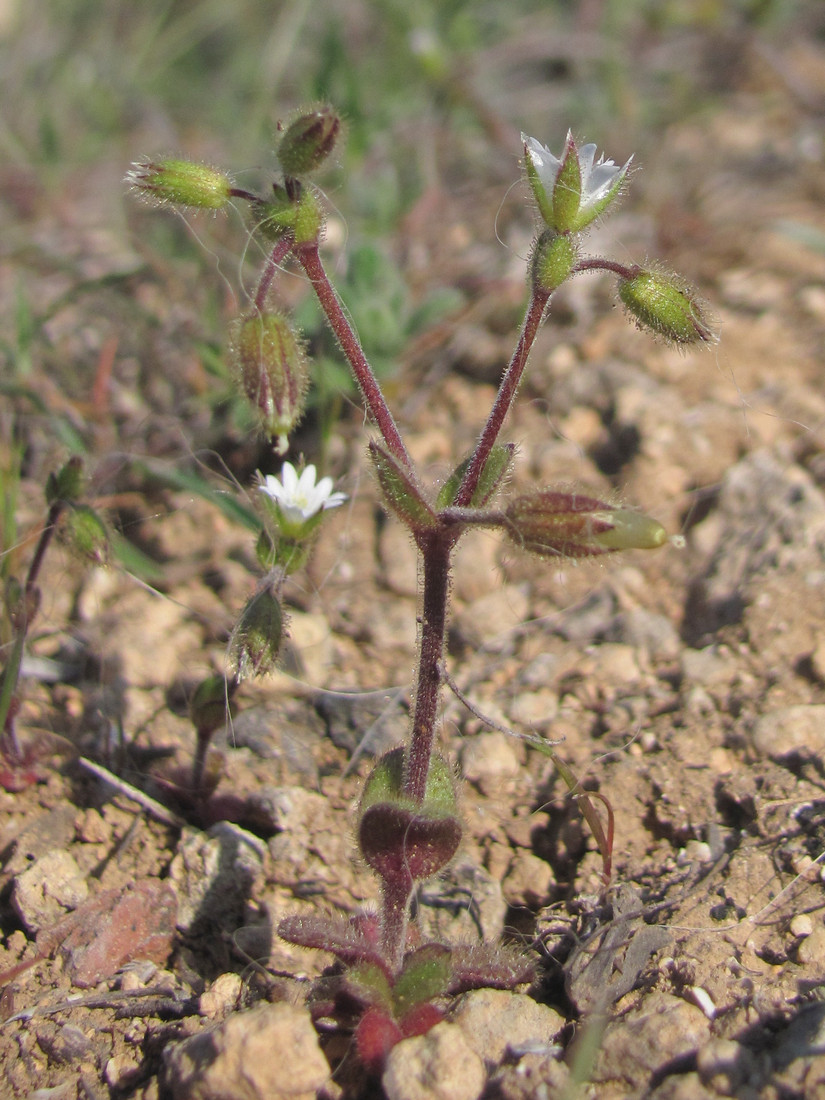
{"type": "Point", "coordinates": [211, 704]}
{"type": "Point", "coordinates": [308, 141]}
{"type": "Point", "coordinates": [664, 304]}
{"type": "Point", "coordinates": [67, 484]}
{"type": "Point", "coordinates": [256, 640]}
{"type": "Point", "coordinates": [272, 371]}
{"type": "Point", "coordinates": [180, 182]}
{"type": "Point", "coordinates": [552, 260]}
{"type": "Point", "coordinates": [556, 524]}
{"type": "Point", "coordinates": [85, 532]}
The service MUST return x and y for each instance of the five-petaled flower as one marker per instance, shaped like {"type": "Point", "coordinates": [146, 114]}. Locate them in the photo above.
{"type": "Point", "coordinates": [298, 498]}
{"type": "Point", "coordinates": [574, 189]}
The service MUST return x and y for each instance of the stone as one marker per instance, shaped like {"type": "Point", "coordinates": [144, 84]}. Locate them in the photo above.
{"type": "Point", "coordinates": [787, 730]}
{"type": "Point", "coordinates": [440, 1065]}
{"type": "Point", "coordinates": [268, 1053]}
{"type": "Point", "coordinates": [45, 892]}
{"type": "Point", "coordinates": [495, 1020]}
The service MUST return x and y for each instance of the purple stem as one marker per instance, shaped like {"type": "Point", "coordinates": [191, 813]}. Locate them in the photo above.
{"type": "Point", "coordinates": [504, 397]}
{"type": "Point", "coordinates": [276, 257]}
{"type": "Point", "coordinates": [377, 407]}
{"type": "Point", "coordinates": [436, 547]}
{"type": "Point", "coordinates": [597, 263]}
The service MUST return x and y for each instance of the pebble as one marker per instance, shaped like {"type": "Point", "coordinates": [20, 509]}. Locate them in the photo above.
{"type": "Point", "coordinates": [637, 1045]}
{"type": "Point", "coordinates": [801, 925]}
{"type": "Point", "coordinates": [114, 928]}
{"type": "Point", "coordinates": [646, 630]}
{"type": "Point", "coordinates": [221, 996]}
{"type": "Point", "coordinates": [491, 620]}
{"type": "Point", "coordinates": [786, 730]}
{"type": "Point", "coordinates": [214, 874]}
{"type": "Point", "coordinates": [440, 1065]}
{"type": "Point", "coordinates": [489, 756]}
{"type": "Point", "coordinates": [268, 1053]}
{"type": "Point", "coordinates": [49, 888]}
{"type": "Point", "coordinates": [494, 1020]}
{"type": "Point", "coordinates": [724, 1065]}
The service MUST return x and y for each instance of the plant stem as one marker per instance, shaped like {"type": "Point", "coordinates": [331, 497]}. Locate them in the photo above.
{"type": "Point", "coordinates": [504, 397]}
{"type": "Point", "coordinates": [596, 263]}
{"type": "Point", "coordinates": [276, 258]}
{"type": "Point", "coordinates": [435, 547]}
{"type": "Point", "coordinates": [11, 673]}
{"type": "Point", "coordinates": [377, 407]}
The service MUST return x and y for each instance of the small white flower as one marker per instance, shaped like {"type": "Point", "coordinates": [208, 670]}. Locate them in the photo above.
{"type": "Point", "coordinates": [600, 181]}
{"type": "Point", "coordinates": [299, 498]}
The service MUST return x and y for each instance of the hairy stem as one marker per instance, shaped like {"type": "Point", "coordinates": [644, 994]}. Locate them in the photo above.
{"type": "Point", "coordinates": [276, 257]}
{"type": "Point", "coordinates": [377, 407]}
{"type": "Point", "coordinates": [504, 398]}
{"type": "Point", "coordinates": [436, 548]}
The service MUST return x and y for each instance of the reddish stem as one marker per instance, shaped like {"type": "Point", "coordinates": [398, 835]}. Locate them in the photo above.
{"type": "Point", "coordinates": [276, 258]}
{"type": "Point", "coordinates": [435, 548]}
{"type": "Point", "coordinates": [596, 263]}
{"type": "Point", "coordinates": [504, 398]}
{"type": "Point", "coordinates": [377, 407]}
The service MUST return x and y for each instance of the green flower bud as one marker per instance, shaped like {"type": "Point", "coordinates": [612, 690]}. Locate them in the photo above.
{"type": "Point", "coordinates": [272, 371]}
{"type": "Point", "coordinates": [180, 182]}
{"type": "Point", "coordinates": [85, 532]}
{"type": "Point", "coordinates": [664, 304]}
{"type": "Point", "coordinates": [256, 640]}
{"type": "Point", "coordinates": [552, 260]}
{"type": "Point", "coordinates": [308, 141]}
{"type": "Point", "coordinates": [556, 524]}
{"type": "Point", "coordinates": [273, 219]}
{"type": "Point", "coordinates": [67, 484]}
{"type": "Point", "coordinates": [211, 704]}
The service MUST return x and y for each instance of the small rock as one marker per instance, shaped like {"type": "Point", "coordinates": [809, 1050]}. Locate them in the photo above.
{"type": "Point", "coordinates": [440, 1065]}
{"type": "Point", "coordinates": [214, 874]}
{"type": "Point", "coordinates": [112, 929]}
{"type": "Point", "coordinates": [49, 888]}
{"type": "Point", "coordinates": [221, 996]}
{"type": "Point", "coordinates": [589, 619]}
{"type": "Point", "coordinates": [536, 709]}
{"type": "Point", "coordinates": [268, 1053]}
{"type": "Point", "coordinates": [48, 833]}
{"type": "Point", "coordinates": [705, 668]}
{"type": "Point", "coordinates": [463, 904]}
{"type": "Point", "coordinates": [801, 925]}
{"type": "Point", "coordinates": [489, 756]}
{"type": "Point", "coordinates": [782, 732]}
{"type": "Point", "coordinates": [662, 1029]}
{"type": "Point", "coordinates": [812, 948]}
{"type": "Point", "coordinates": [647, 631]}
{"type": "Point", "coordinates": [121, 1069]}
{"type": "Point", "coordinates": [494, 1020]}
{"type": "Point", "coordinates": [528, 880]}
{"type": "Point", "coordinates": [491, 620]}
{"type": "Point", "coordinates": [724, 1065]}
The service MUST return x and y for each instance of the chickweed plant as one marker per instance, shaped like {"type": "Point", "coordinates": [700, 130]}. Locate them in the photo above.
{"type": "Point", "coordinates": [408, 826]}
